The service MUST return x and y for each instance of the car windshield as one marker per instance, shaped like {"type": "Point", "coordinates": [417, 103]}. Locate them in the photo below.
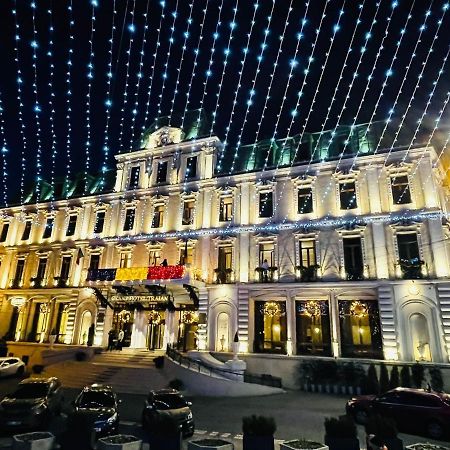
{"type": "Point", "coordinates": [31, 390]}
{"type": "Point", "coordinates": [96, 399]}
{"type": "Point", "coordinates": [169, 401]}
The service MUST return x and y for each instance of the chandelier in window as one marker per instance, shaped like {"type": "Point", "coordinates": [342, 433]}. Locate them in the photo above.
{"type": "Point", "coordinates": [189, 317]}
{"type": "Point", "coordinates": [124, 316]}
{"type": "Point", "coordinates": [271, 309]}
{"type": "Point", "coordinates": [154, 317]}
{"type": "Point", "coordinates": [312, 308]}
{"type": "Point", "coordinates": [358, 309]}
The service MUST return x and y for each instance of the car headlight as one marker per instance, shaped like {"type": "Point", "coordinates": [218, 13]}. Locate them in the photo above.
{"type": "Point", "coordinates": [189, 416]}
{"type": "Point", "coordinates": [38, 409]}
{"type": "Point", "coordinates": [112, 419]}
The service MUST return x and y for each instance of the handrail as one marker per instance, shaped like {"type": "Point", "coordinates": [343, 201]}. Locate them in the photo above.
{"type": "Point", "coordinates": [265, 379]}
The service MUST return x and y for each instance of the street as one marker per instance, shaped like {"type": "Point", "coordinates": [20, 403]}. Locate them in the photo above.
{"type": "Point", "coordinates": [297, 414]}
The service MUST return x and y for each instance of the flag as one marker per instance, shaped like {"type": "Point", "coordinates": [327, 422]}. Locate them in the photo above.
{"type": "Point", "coordinates": [79, 255]}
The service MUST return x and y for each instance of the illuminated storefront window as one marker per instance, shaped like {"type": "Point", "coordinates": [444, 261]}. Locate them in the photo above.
{"type": "Point", "coordinates": [270, 327]}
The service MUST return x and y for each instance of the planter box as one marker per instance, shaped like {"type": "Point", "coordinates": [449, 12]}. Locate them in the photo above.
{"type": "Point", "coordinates": [426, 446]}
{"type": "Point", "coordinates": [119, 442]}
{"type": "Point", "coordinates": [336, 389]}
{"type": "Point", "coordinates": [258, 442]}
{"type": "Point", "coordinates": [210, 444]}
{"type": "Point", "coordinates": [343, 443]}
{"type": "Point", "coordinates": [33, 441]}
{"type": "Point", "coordinates": [295, 445]}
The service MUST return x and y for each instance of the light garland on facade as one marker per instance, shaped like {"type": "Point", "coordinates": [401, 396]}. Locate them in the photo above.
{"type": "Point", "coordinates": [4, 152]}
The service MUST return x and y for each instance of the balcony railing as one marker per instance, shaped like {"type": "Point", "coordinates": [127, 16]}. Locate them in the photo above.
{"type": "Point", "coordinates": [61, 282]}
{"type": "Point", "coordinates": [307, 273]}
{"type": "Point", "coordinates": [137, 273]}
{"type": "Point", "coordinates": [223, 276]}
{"type": "Point", "coordinates": [411, 269]}
{"type": "Point", "coordinates": [266, 275]}
{"type": "Point", "coordinates": [16, 283]}
{"type": "Point", "coordinates": [37, 282]}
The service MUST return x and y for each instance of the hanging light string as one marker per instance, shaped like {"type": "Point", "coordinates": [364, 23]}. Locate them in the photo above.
{"type": "Point", "coordinates": [225, 63]}
{"type": "Point", "coordinates": [363, 97]}
{"type": "Point", "coordinates": [252, 90]}
{"type": "Point", "coordinates": [194, 66]}
{"type": "Point", "coordinates": [180, 67]}
{"type": "Point", "coordinates": [131, 29]}
{"type": "Point", "coordinates": [139, 77]}
{"type": "Point", "coordinates": [19, 82]}
{"type": "Point", "coordinates": [90, 77]}
{"type": "Point", "coordinates": [108, 101]}
{"type": "Point", "coordinates": [37, 107]}
{"type": "Point", "coordinates": [166, 64]}
{"type": "Point", "coordinates": [293, 65]}
{"type": "Point", "coordinates": [69, 64]}
{"type": "Point", "coordinates": [4, 151]}
{"type": "Point", "coordinates": [152, 75]}
{"type": "Point", "coordinates": [238, 84]}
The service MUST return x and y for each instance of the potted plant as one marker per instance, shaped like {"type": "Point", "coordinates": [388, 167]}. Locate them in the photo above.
{"type": "Point", "coordinates": [405, 377]}
{"type": "Point", "coordinates": [418, 374]}
{"type": "Point", "coordinates": [385, 429]}
{"type": "Point", "coordinates": [258, 432]}
{"type": "Point", "coordinates": [42, 440]}
{"type": "Point", "coordinates": [302, 444]}
{"type": "Point", "coordinates": [165, 433]}
{"type": "Point", "coordinates": [341, 433]}
{"type": "Point", "coordinates": [119, 442]}
{"type": "Point", "coordinates": [176, 384]}
{"type": "Point", "coordinates": [384, 379]}
{"type": "Point", "coordinates": [394, 380]}
{"type": "Point", "coordinates": [308, 273]}
{"type": "Point", "coordinates": [210, 444]}
{"type": "Point", "coordinates": [436, 381]}
{"type": "Point", "coordinates": [37, 369]}
{"type": "Point", "coordinates": [159, 362]}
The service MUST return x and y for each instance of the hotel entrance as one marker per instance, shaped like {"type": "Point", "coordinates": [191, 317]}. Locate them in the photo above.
{"type": "Point", "coordinates": [155, 330]}
{"type": "Point", "coordinates": [187, 331]}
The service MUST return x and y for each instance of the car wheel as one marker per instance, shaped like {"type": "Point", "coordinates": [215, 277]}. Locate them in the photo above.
{"type": "Point", "coordinates": [20, 371]}
{"type": "Point", "coordinates": [361, 416]}
{"type": "Point", "coordinates": [435, 430]}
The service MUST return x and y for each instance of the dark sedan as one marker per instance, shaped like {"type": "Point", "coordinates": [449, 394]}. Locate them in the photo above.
{"type": "Point", "coordinates": [96, 407]}
{"type": "Point", "coordinates": [415, 411]}
{"type": "Point", "coordinates": [171, 403]}
{"type": "Point", "coordinates": [32, 404]}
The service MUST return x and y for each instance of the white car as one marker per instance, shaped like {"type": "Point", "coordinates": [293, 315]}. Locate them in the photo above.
{"type": "Point", "coordinates": [11, 366]}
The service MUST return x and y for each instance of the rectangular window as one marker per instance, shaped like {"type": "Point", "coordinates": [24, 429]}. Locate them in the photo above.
{"type": "Point", "coordinates": [226, 209]}
{"type": "Point", "coordinates": [401, 193]}
{"type": "Point", "coordinates": [129, 219]}
{"type": "Point", "coordinates": [65, 269]}
{"type": "Point", "coordinates": [188, 212]}
{"type": "Point", "coordinates": [99, 222]}
{"type": "Point", "coordinates": [18, 277]}
{"type": "Point", "coordinates": [161, 174]}
{"type": "Point", "coordinates": [347, 195]}
{"type": "Point", "coordinates": [408, 247]}
{"type": "Point", "coordinates": [353, 258]}
{"type": "Point", "coordinates": [266, 204]}
{"type": "Point", "coordinates": [158, 216]}
{"type": "Point", "coordinates": [307, 253]}
{"type": "Point", "coordinates": [305, 200]}
{"type": "Point", "coordinates": [48, 228]}
{"type": "Point", "coordinates": [71, 226]}
{"type": "Point", "coordinates": [154, 257]}
{"type": "Point", "coordinates": [134, 178]}
{"type": "Point", "coordinates": [266, 254]}
{"type": "Point", "coordinates": [94, 262]}
{"type": "Point", "coordinates": [186, 255]}
{"type": "Point", "coordinates": [4, 234]}
{"type": "Point", "coordinates": [42, 266]}
{"type": "Point", "coordinates": [26, 231]}
{"type": "Point", "coordinates": [191, 167]}
{"type": "Point", "coordinates": [224, 264]}
{"type": "Point", "coordinates": [125, 260]}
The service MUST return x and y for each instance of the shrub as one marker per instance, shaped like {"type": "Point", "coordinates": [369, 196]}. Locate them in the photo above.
{"type": "Point", "coordinates": [305, 372]}
{"type": "Point", "coordinates": [37, 368]}
{"type": "Point", "coordinates": [80, 356]}
{"type": "Point", "coordinates": [159, 362]}
{"type": "Point", "coordinates": [164, 425]}
{"type": "Point", "coordinates": [405, 377]}
{"type": "Point", "coordinates": [258, 425]}
{"type": "Point", "coordinates": [381, 426]}
{"type": "Point", "coordinates": [395, 378]}
{"type": "Point", "coordinates": [177, 384]}
{"type": "Point", "coordinates": [372, 385]}
{"type": "Point", "coordinates": [349, 374]}
{"type": "Point", "coordinates": [436, 380]}
{"type": "Point", "coordinates": [384, 379]}
{"type": "Point", "coordinates": [342, 427]}
{"type": "Point", "coordinates": [326, 371]}
{"type": "Point", "coordinates": [360, 376]}
{"type": "Point", "coordinates": [418, 374]}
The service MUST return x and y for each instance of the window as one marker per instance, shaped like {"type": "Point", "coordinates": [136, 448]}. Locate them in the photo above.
{"type": "Point", "coordinates": [94, 262]}
{"type": "Point", "coordinates": [18, 277]}
{"type": "Point", "coordinates": [305, 200]}
{"type": "Point", "coordinates": [71, 225]}
{"type": "Point", "coordinates": [26, 231]}
{"type": "Point", "coordinates": [226, 209]}
{"type": "Point", "coordinates": [161, 175]}
{"type": "Point", "coordinates": [266, 204]}
{"type": "Point", "coordinates": [186, 255]}
{"type": "Point", "coordinates": [134, 178]}
{"type": "Point", "coordinates": [353, 258]}
{"type": "Point", "coordinates": [4, 233]}
{"type": "Point", "coordinates": [188, 212]}
{"type": "Point", "coordinates": [158, 216]}
{"type": "Point", "coordinates": [129, 219]}
{"type": "Point", "coordinates": [266, 253]}
{"type": "Point", "coordinates": [408, 247]}
{"type": "Point", "coordinates": [154, 257]}
{"type": "Point", "coordinates": [224, 264]}
{"type": "Point", "coordinates": [65, 269]}
{"type": "Point", "coordinates": [191, 167]}
{"type": "Point", "coordinates": [125, 260]}
{"type": "Point", "coordinates": [347, 195]}
{"type": "Point", "coordinates": [307, 253]}
{"type": "Point", "coordinates": [99, 222]}
{"type": "Point", "coordinates": [48, 228]}
{"type": "Point", "coordinates": [270, 327]}
{"type": "Point", "coordinates": [401, 193]}
{"type": "Point", "coordinates": [42, 266]}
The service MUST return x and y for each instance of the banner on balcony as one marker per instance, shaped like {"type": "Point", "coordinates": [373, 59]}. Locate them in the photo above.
{"type": "Point", "coordinates": [101, 275]}
{"type": "Point", "coordinates": [131, 273]}
{"type": "Point", "coordinates": [165, 272]}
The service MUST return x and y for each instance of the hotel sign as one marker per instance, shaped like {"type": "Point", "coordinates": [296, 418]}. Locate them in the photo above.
{"type": "Point", "coordinates": [140, 298]}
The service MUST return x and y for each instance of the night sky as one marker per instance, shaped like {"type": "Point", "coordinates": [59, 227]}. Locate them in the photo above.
{"type": "Point", "coordinates": [58, 140]}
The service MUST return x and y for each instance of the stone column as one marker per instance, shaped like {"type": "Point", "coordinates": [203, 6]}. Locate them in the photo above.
{"type": "Point", "coordinates": [291, 324]}
{"type": "Point", "coordinates": [429, 192]}
{"type": "Point", "coordinates": [380, 251]}
{"type": "Point", "coordinates": [335, 329]}
{"type": "Point", "coordinates": [244, 263]}
{"type": "Point", "coordinates": [245, 204]}
{"type": "Point", "coordinates": [437, 240]}
{"type": "Point", "coordinates": [373, 189]}
{"type": "Point", "coordinates": [207, 209]}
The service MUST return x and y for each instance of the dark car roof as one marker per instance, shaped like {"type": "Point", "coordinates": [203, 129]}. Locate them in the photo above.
{"type": "Point", "coordinates": [38, 380]}
{"type": "Point", "coordinates": [98, 387]}
{"type": "Point", "coordinates": [421, 392]}
{"type": "Point", "coordinates": [165, 392]}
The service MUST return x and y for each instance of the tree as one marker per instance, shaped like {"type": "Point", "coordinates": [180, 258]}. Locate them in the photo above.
{"type": "Point", "coordinates": [373, 387]}
{"type": "Point", "coordinates": [405, 377]}
{"type": "Point", "coordinates": [395, 378]}
{"type": "Point", "coordinates": [384, 379]}
{"type": "Point", "coordinates": [418, 374]}
{"type": "Point", "coordinates": [437, 383]}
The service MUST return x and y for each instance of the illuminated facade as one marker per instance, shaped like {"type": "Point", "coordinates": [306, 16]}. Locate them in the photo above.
{"type": "Point", "coordinates": [302, 255]}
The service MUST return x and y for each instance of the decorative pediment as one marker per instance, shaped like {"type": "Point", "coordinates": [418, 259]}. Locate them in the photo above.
{"type": "Point", "coordinates": [346, 174]}
{"type": "Point", "coordinates": [351, 228]}
{"type": "Point", "coordinates": [399, 167]}
{"type": "Point", "coordinates": [164, 136]}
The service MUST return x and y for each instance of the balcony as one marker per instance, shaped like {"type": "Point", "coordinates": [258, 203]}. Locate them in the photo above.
{"type": "Point", "coordinates": [411, 269]}
{"type": "Point", "coordinates": [38, 282]}
{"type": "Point", "coordinates": [307, 273]}
{"type": "Point", "coordinates": [61, 282]}
{"type": "Point", "coordinates": [152, 273]}
{"type": "Point", "coordinates": [16, 283]}
{"type": "Point", "coordinates": [354, 273]}
{"type": "Point", "coordinates": [223, 276]}
{"type": "Point", "coordinates": [266, 275]}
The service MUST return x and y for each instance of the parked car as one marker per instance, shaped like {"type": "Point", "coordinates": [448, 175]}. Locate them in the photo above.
{"type": "Point", "coordinates": [32, 404]}
{"type": "Point", "coordinates": [96, 406]}
{"type": "Point", "coordinates": [416, 411]}
{"type": "Point", "coordinates": [11, 366]}
{"type": "Point", "coordinates": [171, 403]}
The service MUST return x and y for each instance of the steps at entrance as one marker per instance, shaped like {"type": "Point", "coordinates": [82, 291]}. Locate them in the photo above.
{"type": "Point", "coordinates": [128, 371]}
